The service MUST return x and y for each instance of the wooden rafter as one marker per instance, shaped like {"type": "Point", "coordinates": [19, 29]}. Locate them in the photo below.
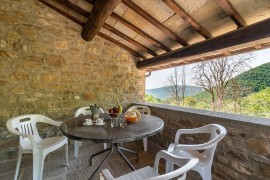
{"type": "Point", "coordinates": [257, 31]}
{"type": "Point", "coordinates": [139, 31]}
{"type": "Point", "coordinates": [91, 1]}
{"type": "Point", "coordinates": [135, 53]}
{"type": "Point", "coordinates": [232, 12]}
{"type": "Point", "coordinates": [75, 7]}
{"type": "Point", "coordinates": [74, 19]}
{"type": "Point", "coordinates": [181, 12]}
{"type": "Point", "coordinates": [122, 20]}
{"type": "Point", "coordinates": [155, 22]}
{"type": "Point", "coordinates": [77, 21]}
{"type": "Point", "coordinates": [99, 14]}
{"type": "Point", "coordinates": [122, 35]}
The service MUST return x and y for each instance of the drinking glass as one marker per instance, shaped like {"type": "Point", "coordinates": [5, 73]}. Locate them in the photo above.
{"type": "Point", "coordinates": [114, 121]}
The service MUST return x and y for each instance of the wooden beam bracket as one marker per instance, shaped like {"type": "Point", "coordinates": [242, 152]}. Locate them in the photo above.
{"type": "Point", "coordinates": [99, 14]}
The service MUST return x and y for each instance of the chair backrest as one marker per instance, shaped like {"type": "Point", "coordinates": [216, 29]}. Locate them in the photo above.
{"type": "Point", "coordinates": [85, 111]}
{"type": "Point", "coordinates": [141, 109]}
{"type": "Point", "coordinates": [25, 127]}
{"type": "Point", "coordinates": [184, 163]}
{"type": "Point", "coordinates": [217, 133]}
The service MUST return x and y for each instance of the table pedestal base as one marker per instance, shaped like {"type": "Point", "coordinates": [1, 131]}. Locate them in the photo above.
{"type": "Point", "coordinates": [110, 149]}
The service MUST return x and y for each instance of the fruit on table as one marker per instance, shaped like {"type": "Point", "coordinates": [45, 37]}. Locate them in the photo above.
{"type": "Point", "coordinates": [110, 111]}
{"type": "Point", "coordinates": [115, 111]}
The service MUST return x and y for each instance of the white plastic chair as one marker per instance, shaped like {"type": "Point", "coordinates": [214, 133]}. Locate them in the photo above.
{"type": "Point", "coordinates": [205, 151]}
{"type": "Point", "coordinates": [83, 111]}
{"type": "Point", "coordinates": [30, 141]}
{"type": "Point", "coordinates": [142, 110]}
{"type": "Point", "coordinates": [151, 173]}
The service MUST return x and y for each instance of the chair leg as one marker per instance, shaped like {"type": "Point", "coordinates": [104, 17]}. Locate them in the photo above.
{"type": "Point", "coordinates": [169, 167]}
{"type": "Point", "coordinates": [66, 151]}
{"type": "Point", "coordinates": [38, 163]}
{"type": "Point", "coordinates": [76, 148]}
{"type": "Point", "coordinates": [206, 173]}
{"type": "Point", "coordinates": [18, 164]}
{"type": "Point", "coordinates": [145, 144]}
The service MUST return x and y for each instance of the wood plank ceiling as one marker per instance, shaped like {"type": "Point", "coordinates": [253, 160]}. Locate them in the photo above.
{"type": "Point", "coordinates": [167, 33]}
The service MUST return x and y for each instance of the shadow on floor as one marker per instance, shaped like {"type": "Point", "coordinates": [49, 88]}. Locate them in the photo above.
{"type": "Point", "coordinates": [79, 169]}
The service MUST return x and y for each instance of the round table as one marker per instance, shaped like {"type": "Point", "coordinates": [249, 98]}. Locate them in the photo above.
{"type": "Point", "coordinates": [75, 129]}
{"type": "Point", "coordinates": [147, 126]}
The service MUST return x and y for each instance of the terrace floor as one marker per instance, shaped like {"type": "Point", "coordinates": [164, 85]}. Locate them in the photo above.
{"type": "Point", "coordinates": [79, 169]}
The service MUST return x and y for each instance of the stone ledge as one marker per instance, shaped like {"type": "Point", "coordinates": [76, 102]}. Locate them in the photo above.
{"type": "Point", "coordinates": [252, 121]}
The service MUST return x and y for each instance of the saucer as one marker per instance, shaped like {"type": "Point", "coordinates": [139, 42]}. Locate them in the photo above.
{"type": "Point", "coordinates": [100, 124]}
{"type": "Point", "coordinates": [87, 124]}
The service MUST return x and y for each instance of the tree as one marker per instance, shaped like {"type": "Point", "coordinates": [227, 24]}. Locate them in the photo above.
{"type": "Point", "coordinates": [174, 79]}
{"type": "Point", "coordinates": [214, 75]}
{"type": "Point", "coordinates": [183, 80]}
{"type": "Point", "coordinates": [236, 91]}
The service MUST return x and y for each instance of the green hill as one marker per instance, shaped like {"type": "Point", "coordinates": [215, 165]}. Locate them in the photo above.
{"type": "Point", "coordinates": [258, 103]}
{"type": "Point", "coordinates": [163, 93]}
{"type": "Point", "coordinates": [257, 78]}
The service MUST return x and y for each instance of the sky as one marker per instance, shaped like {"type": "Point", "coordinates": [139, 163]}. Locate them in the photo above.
{"type": "Point", "coordinates": [158, 78]}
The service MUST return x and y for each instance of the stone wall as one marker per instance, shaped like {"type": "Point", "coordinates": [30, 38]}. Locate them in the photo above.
{"type": "Point", "coordinates": [244, 153]}
{"type": "Point", "coordinates": [47, 68]}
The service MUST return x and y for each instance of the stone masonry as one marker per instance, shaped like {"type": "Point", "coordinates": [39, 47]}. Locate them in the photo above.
{"type": "Point", "coordinates": [244, 153]}
{"type": "Point", "coordinates": [47, 68]}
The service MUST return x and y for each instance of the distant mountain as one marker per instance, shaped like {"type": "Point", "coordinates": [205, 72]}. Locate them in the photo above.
{"type": "Point", "coordinates": [163, 93]}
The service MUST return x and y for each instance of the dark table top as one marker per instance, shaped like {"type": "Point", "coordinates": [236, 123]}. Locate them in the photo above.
{"type": "Point", "coordinates": [147, 126]}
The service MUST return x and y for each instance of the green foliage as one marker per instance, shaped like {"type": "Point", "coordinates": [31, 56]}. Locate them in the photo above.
{"type": "Point", "coordinates": [258, 103]}
{"type": "Point", "coordinates": [152, 99]}
{"type": "Point", "coordinates": [190, 101]}
{"type": "Point", "coordinates": [202, 105]}
{"type": "Point", "coordinates": [203, 97]}
{"type": "Point", "coordinates": [257, 78]}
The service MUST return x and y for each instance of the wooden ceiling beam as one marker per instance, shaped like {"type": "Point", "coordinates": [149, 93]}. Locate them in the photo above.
{"type": "Point", "coordinates": [139, 31]}
{"type": "Point", "coordinates": [118, 18]}
{"type": "Point", "coordinates": [122, 35]}
{"type": "Point", "coordinates": [91, 1]}
{"type": "Point", "coordinates": [99, 14]}
{"type": "Point", "coordinates": [60, 11]}
{"type": "Point", "coordinates": [232, 12]}
{"type": "Point", "coordinates": [76, 8]}
{"type": "Point", "coordinates": [257, 31]}
{"type": "Point", "coordinates": [155, 22]}
{"type": "Point", "coordinates": [131, 51]}
{"type": "Point", "coordinates": [77, 21]}
{"type": "Point", "coordinates": [181, 12]}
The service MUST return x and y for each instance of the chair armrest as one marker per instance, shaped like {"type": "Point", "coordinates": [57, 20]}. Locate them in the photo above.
{"type": "Point", "coordinates": [194, 146]}
{"type": "Point", "coordinates": [49, 121]}
{"type": "Point", "coordinates": [172, 147]}
{"type": "Point", "coordinates": [107, 174]}
{"type": "Point", "coordinates": [175, 160]}
{"type": "Point", "coordinates": [187, 131]}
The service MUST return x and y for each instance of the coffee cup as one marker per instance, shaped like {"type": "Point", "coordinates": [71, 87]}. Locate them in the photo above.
{"type": "Point", "coordinates": [88, 121]}
{"type": "Point", "coordinates": [100, 121]}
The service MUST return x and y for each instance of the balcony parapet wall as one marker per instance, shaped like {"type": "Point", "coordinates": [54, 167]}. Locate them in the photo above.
{"type": "Point", "coordinates": [244, 153]}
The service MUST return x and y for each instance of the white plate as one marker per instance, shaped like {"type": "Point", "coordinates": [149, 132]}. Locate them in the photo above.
{"type": "Point", "coordinates": [87, 124]}
{"type": "Point", "coordinates": [100, 124]}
